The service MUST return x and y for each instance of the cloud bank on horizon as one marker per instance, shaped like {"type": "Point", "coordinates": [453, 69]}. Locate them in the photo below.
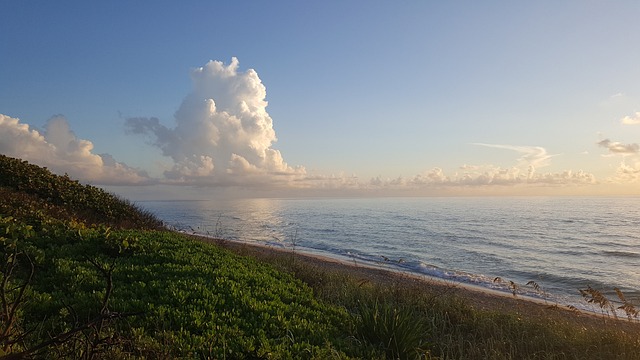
{"type": "Point", "coordinates": [224, 136]}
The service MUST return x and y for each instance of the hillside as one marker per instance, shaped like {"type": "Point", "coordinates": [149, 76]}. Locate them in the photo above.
{"type": "Point", "coordinates": [88, 275]}
{"type": "Point", "coordinates": [28, 189]}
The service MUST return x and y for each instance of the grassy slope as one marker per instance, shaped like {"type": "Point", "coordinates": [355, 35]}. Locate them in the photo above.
{"type": "Point", "coordinates": [159, 294]}
{"type": "Point", "coordinates": [454, 327]}
{"type": "Point", "coordinates": [29, 188]}
{"type": "Point", "coordinates": [169, 296]}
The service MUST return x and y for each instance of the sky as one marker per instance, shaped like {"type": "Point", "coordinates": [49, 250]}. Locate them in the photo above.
{"type": "Point", "coordinates": [199, 99]}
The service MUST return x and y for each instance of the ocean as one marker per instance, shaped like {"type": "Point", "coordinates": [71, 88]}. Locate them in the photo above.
{"type": "Point", "coordinates": [563, 244]}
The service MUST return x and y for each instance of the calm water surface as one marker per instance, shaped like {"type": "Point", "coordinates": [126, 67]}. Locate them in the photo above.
{"type": "Point", "coordinates": [562, 243]}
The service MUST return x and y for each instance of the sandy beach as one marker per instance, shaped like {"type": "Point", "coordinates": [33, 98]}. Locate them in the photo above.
{"type": "Point", "coordinates": [476, 296]}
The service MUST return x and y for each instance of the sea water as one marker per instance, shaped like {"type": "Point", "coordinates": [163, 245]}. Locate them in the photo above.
{"type": "Point", "coordinates": [563, 244]}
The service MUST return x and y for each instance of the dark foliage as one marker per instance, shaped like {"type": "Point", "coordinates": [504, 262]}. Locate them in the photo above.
{"type": "Point", "coordinates": [60, 196]}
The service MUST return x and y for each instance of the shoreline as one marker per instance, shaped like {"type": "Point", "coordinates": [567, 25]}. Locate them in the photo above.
{"type": "Point", "coordinates": [476, 296]}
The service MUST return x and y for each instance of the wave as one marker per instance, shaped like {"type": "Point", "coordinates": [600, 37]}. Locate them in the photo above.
{"type": "Point", "coordinates": [563, 244]}
{"type": "Point", "coordinates": [623, 254]}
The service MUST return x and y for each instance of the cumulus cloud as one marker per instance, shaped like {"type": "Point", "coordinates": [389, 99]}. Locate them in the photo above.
{"type": "Point", "coordinates": [512, 176]}
{"type": "Point", "coordinates": [482, 176]}
{"type": "Point", "coordinates": [522, 173]}
{"type": "Point", "coordinates": [631, 120]}
{"type": "Point", "coordinates": [59, 149]}
{"type": "Point", "coordinates": [626, 173]}
{"type": "Point", "coordinates": [618, 148]}
{"type": "Point", "coordinates": [223, 134]}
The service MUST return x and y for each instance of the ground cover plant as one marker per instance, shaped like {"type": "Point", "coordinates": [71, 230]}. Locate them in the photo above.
{"type": "Point", "coordinates": [176, 297]}
{"type": "Point", "coordinates": [387, 307]}
{"type": "Point", "coordinates": [86, 275]}
{"type": "Point", "coordinates": [82, 276]}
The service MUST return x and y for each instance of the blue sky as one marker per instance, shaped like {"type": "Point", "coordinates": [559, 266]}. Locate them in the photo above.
{"type": "Point", "coordinates": [364, 97]}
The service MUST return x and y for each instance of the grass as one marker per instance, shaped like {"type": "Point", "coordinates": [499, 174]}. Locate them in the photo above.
{"type": "Point", "coordinates": [448, 325]}
{"type": "Point", "coordinates": [86, 275]}
{"type": "Point", "coordinates": [400, 331]}
{"type": "Point", "coordinates": [83, 274]}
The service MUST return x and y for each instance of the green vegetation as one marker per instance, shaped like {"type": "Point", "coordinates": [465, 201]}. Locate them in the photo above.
{"type": "Point", "coordinates": [86, 275]}
{"type": "Point", "coordinates": [83, 277]}
{"type": "Point", "coordinates": [29, 190]}
{"type": "Point", "coordinates": [394, 309]}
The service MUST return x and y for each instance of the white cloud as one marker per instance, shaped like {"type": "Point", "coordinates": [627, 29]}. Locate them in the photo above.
{"type": "Point", "coordinates": [631, 120]}
{"type": "Point", "coordinates": [483, 176]}
{"type": "Point", "coordinates": [223, 133]}
{"type": "Point", "coordinates": [59, 149]}
{"type": "Point", "coordinates": [626, 174]}
{"type": "Point", "coordinates": [249, 160]}
{"type": "Point", "coordinates": [524, 172]}
{"type": "Point", "coordinates": [628, 171]}
{"type": "Point", "coordinates": [18, 140]}
{"type": "Point", "coordinates": [514, 176]}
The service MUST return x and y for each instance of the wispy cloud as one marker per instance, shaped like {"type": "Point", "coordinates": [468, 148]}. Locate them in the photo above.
{"type": "Point", "coordinates": [535, 156]}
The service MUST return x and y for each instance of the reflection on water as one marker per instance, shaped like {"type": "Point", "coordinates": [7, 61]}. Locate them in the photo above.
{"type": "Point", "coordinates": [243, 219]}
